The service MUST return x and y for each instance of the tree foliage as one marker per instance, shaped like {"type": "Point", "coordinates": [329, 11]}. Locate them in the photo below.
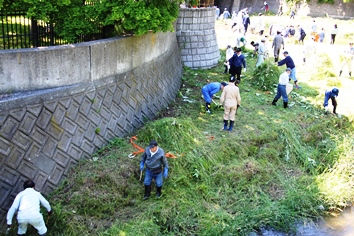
{"type": "Point", "coordinates": [72, 18]}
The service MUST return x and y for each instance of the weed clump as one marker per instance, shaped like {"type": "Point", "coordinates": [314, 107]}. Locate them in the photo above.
{"type": "Point", "coordinates": [266, 76]}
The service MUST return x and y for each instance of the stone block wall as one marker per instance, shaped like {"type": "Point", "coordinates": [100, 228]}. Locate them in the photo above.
{"type": "Point", "coordinates": [196, 37]}
{"type": "Point", "coordinates": [43, 133]}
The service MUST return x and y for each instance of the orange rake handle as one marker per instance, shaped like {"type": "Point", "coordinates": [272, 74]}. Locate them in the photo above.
{"type": "Point", "coordinates": [141, 150]}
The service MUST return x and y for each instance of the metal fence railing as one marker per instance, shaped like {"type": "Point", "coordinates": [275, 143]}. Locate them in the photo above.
{"type": "Point", "coordinates": [18, 31]}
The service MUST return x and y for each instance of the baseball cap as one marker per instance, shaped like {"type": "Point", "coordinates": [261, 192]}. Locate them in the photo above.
{"type": "Point", "coordinates": [223, 84]}
{"type": "Point", "coordinates": [285, 52]}
{"type": "Point", "coordinates": [152, 144]}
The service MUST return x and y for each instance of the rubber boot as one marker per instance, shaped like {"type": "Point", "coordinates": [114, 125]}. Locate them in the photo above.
{"type": "Point", "coordinates": [231, 125]}
{"type": "Point", "coordinates": [334, 110]}
{"type": "Point", "coordinates": [350, 74]}
{"type": "Point", "coordinates": [285, 104]}
{"type": "Point", "coordinates": [158, 192]}
{"type": "Point", "coordinates": [147, 192]}
{"type": "Point", "coordinates": [275, 59]}
{"type": "Point", "coordinates": [340, 73]}
{"type": "Point", "coordinates": [226, 122]}
{"type": "Point", "coordinates": [207, 108]}
{"type": "Point", "coordinates": [274, 103]}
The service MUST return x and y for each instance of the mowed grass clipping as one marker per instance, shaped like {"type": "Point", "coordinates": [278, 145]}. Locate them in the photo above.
{"type": "Point", "coordinates": [278, 167]}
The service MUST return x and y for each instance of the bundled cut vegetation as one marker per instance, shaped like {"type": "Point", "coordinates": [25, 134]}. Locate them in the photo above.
{"type": "Point", "coordinates": [278, 167]}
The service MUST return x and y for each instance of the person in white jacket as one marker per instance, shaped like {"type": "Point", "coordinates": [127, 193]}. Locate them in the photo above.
{"type": "Point", "coordinates": [27, 204]}
{"type": "Point", "coordinates": [229, 54]}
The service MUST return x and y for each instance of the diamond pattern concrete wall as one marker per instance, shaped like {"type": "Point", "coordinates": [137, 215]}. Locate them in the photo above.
{"type": "Point", "coordinates": [44, 133]}
{"type": "Point", "coordinates": [196, 37]}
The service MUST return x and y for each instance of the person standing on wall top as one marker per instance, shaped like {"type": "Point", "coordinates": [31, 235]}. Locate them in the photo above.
{"type": "Point", "coordinates": [156, 166]}
{"type": "Point", "coordinates": [277, 43]}
{"type": "Point", "coordinates": [27, 205]}
{"type": "Point", "coordinates": [208, 92]}
{"type": "Point", "coordinates": [236, 63]}
{"type": "Point", "coordinates": [281, 90]}
{"type": "Point", "coordinates": [288, 61]}
{"type": "Point", "coordinates": [231, 100]}
{"type": "Point", "coordinates": [331, 94]}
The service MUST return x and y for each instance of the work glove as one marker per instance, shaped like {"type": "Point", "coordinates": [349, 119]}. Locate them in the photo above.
{"type": "Point", "coordinates": [326, 110]}
{"type": "Point", "coordinates": [8, 229]}
{"type": "Point", "coordinates": [142, 165]}
{"type": "Point", "coordinates": [244, 69]}
{"type": "Point", "coordinates": [165, 172]}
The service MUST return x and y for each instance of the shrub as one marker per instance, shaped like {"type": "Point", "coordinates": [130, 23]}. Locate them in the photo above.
{"type": "Point", "coordinates": [266, 75]}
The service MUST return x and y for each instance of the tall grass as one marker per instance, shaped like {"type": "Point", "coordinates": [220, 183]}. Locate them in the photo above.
{"type": "Point", "coordinates": [279, 166]}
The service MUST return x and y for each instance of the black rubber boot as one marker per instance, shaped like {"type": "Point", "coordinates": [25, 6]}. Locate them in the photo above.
{"type": "Point", "coordinates": [274, 103]}
{"type": "Point", "coordinates": [226, 122]}
{"type": "Point", "coordinates": [231, 125]}
{"type": "Point", "coordinates": [147, 192]}
{"type": "Point", "coordinates": [158, 192]}
{"type": "Point", "coordinates": [285, 104]}
{"type": "Point", "coordinates": [350, 74]}
{"type": "Point", "coordinates": [275, 59]}
{"type": "Point", "coordinates": [340, 73]}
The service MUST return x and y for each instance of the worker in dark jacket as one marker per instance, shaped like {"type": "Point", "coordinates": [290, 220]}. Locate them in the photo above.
{"type": "Point", "coordinates": [331, 94]}
{"type": "Point", "coordinates": [288, 61]}
{"type": "Point", "coordinates": [156, 165]}
{"type": "Point", "coordinates": [236, 62]}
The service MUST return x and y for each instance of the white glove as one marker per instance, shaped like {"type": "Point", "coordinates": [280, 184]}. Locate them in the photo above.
{"type": "Point", "coordinates": [244, 69]}
{"type": "Point", "coordinates": [326, 109]}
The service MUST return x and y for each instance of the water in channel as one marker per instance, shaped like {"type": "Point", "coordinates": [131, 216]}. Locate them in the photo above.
{"type": "Point", "coordinates": [342, 225]}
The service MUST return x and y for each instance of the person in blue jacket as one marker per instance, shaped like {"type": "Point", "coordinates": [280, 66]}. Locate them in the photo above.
{"type": "Point", "coordinates": [331, 94]}
{"type": "Point", "coordinates": [288, 61]}
{"type": "Point", "coordinates": [208, 92]}
{"type": "Point", "coordinates": [156, 166]}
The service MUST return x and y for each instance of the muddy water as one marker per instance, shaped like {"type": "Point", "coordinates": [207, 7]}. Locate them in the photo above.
{"type": "Point", "coordinates": [342, 225]}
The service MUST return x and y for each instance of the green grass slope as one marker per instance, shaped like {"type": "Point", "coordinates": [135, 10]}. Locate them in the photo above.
{"type": "Point", "coordinates": [277, 167]}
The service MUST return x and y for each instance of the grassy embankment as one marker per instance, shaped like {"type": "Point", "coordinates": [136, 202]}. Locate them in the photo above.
{"type": "Point", "coordinates": [277, 167]}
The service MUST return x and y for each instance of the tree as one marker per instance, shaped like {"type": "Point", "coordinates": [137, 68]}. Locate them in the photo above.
{"type": "Point", "coordinates": [72, 18]}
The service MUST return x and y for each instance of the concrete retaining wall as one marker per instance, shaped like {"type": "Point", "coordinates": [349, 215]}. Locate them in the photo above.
{"type": "Point", "coordinates": [111, 88]}
{"type": "Point", "coordinates": [197, 38]}
{"type": "Point", "coordinates": [50, 67]}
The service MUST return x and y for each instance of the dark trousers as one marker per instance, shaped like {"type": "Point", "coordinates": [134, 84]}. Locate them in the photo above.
{"type": "Point", "coordinates": [302, 37]}
{"type": "Point", "coordinates": [334, 103]}
{"type": "Point", "coordinates": [236, 71]}
{"type": "Point", "coordinates": [333, 38]}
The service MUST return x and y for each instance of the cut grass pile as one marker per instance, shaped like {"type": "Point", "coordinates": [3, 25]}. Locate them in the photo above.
{"type": "Point", "coordinates": [278, 167]}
